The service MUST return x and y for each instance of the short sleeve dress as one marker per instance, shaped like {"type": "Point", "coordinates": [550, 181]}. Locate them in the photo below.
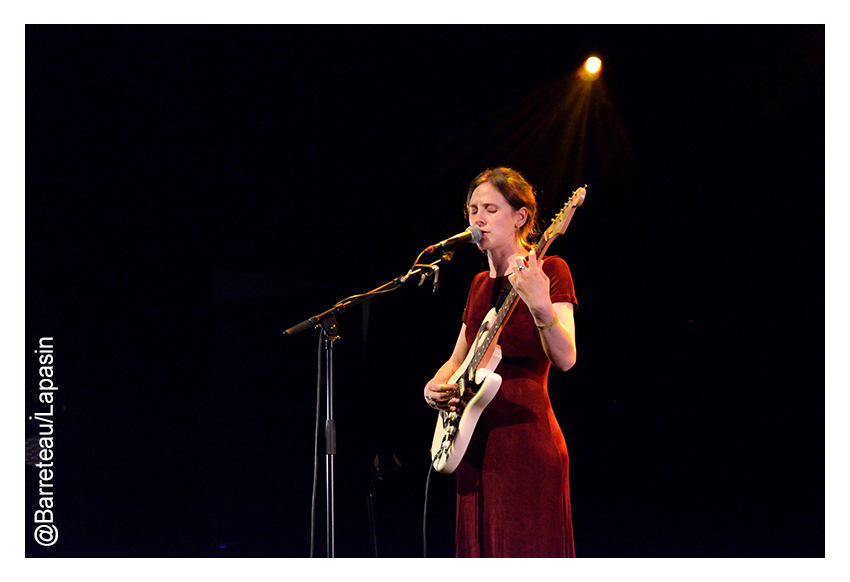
{"type": "Point", "coordinates": [513, 492]}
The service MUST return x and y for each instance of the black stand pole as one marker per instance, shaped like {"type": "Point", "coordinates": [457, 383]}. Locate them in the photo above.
{"type": "Point", "coordinates": [327, 321]}
{"type": "Point", "coordinates": [329, 329]}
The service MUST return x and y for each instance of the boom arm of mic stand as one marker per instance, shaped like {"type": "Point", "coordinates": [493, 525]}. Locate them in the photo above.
{"type": "Point", "coordinates": [319, 320]}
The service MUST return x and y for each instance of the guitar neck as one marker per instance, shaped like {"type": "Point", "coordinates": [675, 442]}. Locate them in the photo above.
{"type": "Point", "coordinates": [488, 339]}
{"type": "Point", "coordinates": [504, 312]}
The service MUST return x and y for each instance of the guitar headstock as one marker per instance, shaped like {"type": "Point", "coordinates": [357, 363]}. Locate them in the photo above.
{"type": "Point", "coordinates": [562, 220]}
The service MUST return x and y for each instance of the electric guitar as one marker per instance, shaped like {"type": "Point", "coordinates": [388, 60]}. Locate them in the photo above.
{"type": "Point", "coordinates": [476, 378]}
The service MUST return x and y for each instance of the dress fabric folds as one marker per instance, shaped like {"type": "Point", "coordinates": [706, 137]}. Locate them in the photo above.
{"type": "Point", "coordinates": [513, 492]}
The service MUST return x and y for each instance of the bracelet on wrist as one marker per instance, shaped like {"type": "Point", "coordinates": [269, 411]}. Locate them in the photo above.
{"type": "Point", "coordinates": [548, 325]}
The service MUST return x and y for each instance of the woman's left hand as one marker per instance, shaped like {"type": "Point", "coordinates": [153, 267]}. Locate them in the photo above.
{"type": "Point", "coordinates": [532, 285]}
{"type": "Point", "coordinates": [530, 282]}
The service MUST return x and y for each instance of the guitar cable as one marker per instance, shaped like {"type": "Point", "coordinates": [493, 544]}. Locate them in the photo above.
{"type": "Point", "coordinates": [316, 451]}
{"type": "Point", "coordinates": [425, 512]}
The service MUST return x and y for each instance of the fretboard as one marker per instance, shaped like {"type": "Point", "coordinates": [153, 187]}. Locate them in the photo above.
{"type": "Point", "coordinates": [485, 341]}
{"type": "Point", "coordinates": [486, 338]}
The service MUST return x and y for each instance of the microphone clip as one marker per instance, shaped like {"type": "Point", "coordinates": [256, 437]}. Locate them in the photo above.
{"type": "Point", "coordinates": [435, 269]}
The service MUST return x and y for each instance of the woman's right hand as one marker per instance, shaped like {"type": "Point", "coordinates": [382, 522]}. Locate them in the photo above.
{"type": "Point", "coordinates": [441, 396]}
{"type": "Point", "coordinates": [438, 394]}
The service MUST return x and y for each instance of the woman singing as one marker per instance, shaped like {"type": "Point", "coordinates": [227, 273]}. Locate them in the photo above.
{"type": "Point", "coordinates": [513, 493]}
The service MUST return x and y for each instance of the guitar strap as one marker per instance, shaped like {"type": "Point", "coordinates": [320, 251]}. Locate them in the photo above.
{"type": "Point", "coordinates": [506, 290]}
{"type": "Point", "coordinates": [504, 295]}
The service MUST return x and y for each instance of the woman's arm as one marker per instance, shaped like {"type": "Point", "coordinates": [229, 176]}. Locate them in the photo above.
{"type": "Point", "coordinates": [437, 393]}
{"type": "Point", "coordinates": [559, 339]}
{"type": "Point", "coordinates": [555, 322]}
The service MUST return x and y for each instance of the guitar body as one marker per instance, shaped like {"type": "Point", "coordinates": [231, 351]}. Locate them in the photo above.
{"type": "Point", "coordinates": [464, 425]}
{"type": "Point", "coordinates": [476, 378]}
{"type": "Point", "coordinates": [454, 430]}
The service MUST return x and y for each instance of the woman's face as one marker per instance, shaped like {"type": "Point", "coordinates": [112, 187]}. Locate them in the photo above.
{"type": "Point", "coordinates": [495, 217]}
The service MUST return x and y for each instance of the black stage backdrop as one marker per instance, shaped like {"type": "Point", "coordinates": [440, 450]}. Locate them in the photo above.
{"type": "Point", "coordinates": [192, 191]}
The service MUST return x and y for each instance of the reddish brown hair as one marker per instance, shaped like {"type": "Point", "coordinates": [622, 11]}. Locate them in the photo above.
{"type": "Point", "coordinates": [518, 192]}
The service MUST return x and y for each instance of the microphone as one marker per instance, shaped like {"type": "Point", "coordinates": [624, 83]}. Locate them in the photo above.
{"type": "Point", "coordinates": [470, 235]}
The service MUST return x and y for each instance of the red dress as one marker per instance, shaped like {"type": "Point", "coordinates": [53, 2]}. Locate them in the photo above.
{"type": "Point", "coordinates": [513, 491]}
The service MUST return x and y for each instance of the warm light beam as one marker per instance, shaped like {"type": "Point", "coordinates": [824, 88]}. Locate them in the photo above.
{"type": "Point", "coordinates": [563, 134]}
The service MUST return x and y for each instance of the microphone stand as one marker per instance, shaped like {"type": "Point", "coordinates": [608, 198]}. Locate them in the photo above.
{"type": "Point", "coordinates": [326, 320]}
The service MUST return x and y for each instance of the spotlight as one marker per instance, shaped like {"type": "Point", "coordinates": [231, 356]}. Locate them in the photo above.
{"type": "Point", "coordinates": [591, 68]}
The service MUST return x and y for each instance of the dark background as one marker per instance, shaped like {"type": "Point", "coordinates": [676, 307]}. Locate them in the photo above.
{"type": "Point", "coordinates": [191, 192]}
